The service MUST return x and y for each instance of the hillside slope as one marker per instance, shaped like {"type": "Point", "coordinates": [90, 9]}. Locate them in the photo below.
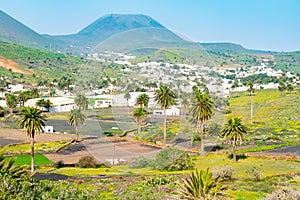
{"type": "Point", "coordinates": [15, 32]}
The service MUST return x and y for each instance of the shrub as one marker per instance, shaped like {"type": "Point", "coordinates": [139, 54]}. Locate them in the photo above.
{"type": "Point", "coordinates": [223, 173]}
{"type": "Point", "coordinates": [284, 194]}
{"type": "Point", "coordinates": [87, 162]}
{"type": "Point", "coordinates": [59, 164]}
{"type": "Point", "coordinates": [138, 162]}
{"type": "Point", "coordinates": [172, 160]}
{"type": "Point", "coordinates": [254, 174]}
{"type": "Point", "coordinates": [238, 156]}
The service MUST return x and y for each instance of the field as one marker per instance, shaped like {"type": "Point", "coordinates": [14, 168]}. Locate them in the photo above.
{"type": "Point", "coordinates": [39, 159]}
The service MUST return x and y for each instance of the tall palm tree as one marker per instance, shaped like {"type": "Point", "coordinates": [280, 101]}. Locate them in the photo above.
{"type": "Point", "coordinates": [142, 100]}
{"type": "Point", "coordinates": [32, 121]}
{"type": "Point", "coordinates": [201, 111]}
{"type": "Point", "coordinates": [75, 118]}
{"type": "Point", "coordinates": [234, 131]}
{"type": "Point", "coordinates": [251, 90]}
{"type": "Point", "coordinates": [166, 98]}
{"type": "Point", "coordinates": [139, 114]}
{"type": "Point", "coordinates": [81, 101]}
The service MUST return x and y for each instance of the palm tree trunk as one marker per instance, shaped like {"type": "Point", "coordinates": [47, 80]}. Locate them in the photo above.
{"type": "Point", "coordinates": [251, 110]}
{"type": "Point", "coordinates": [32, 154]}
{"type": "Point", "coordinates": [202, 139]}
{"type": "Point", "coordinates": [165, 127]}
{"type": "Point", "coordinates": [234, 151]}
{"type": "Point", "coordinates": [139, 127]}
{"type": "Point", "coordinates": [77, 137]}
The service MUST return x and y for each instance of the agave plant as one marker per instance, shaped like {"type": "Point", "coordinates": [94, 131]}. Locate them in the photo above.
{"type": "Point", "coordinates": [201, 185]}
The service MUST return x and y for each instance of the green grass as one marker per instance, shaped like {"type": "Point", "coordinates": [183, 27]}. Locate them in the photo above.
{"type": "Point", "coordinates": [39, 159]}
{"type": "Point", "coordinates": [268, 147]}
{"type": "Point", "coordinates": [269, 167]}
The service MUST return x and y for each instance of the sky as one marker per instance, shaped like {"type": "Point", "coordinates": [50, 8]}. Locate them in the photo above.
{"type": "Point", "coordinates": [256, 24]}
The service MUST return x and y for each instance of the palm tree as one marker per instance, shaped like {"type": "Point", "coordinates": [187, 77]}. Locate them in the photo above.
{"type": "Point", "coordinates": [166, 98]}
{"type": "Point", "coordinates": [201, 111]}
{"type": "Point", "coordinates": [127, 96]}
{"type": "Point", "coordinates": [81, 101]}
{"type": "Point", "coordinates": [200, 185]}
{"type": "Point", "coordinates": [11, 102]}
{"type": "Point", "coordinates": [251, 90]}
{"type": "Point", "coordinates": [32, 121]}
{"type": "Point", "coordinates": [235, 132]}
{"type": "Point", "coordinates": [75, 118]}
{"type": "Point", "coordinates": [139, 114]}
{"type": "Point", "coordinates": [22, 98]}
{"type": "Point", "coordinates": [142, 100]}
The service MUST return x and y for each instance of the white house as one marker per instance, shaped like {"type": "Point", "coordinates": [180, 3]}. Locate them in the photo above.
{"type": "Point", "coordinates": [173, 111]}
{"type": "Point", "coordinates": [16, 88]}
{"type": "Point", "coordinates": [102, 103]}
{"type": "Point", "coordinates": [60, 104]}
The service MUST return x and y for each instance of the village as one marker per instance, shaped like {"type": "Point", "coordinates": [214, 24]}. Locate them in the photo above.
{"type": "Point", "coordinates": [181, 76]}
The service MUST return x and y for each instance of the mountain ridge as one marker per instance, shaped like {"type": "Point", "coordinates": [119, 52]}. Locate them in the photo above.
{"type": "Point", "coordinates": [102, 31]}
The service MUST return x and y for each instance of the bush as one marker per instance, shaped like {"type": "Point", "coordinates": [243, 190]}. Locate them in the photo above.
{"type": "Point", "coordinates": [138, 162]}
{"type": "Point", "coordinates": [87, 162]}
{"type": "Point", "coordinates": [238, 156]}
{"type": "Point", "coordinates": [284, 194]}
{"type": "Point", "coordinates": [254, 174]}
{"type": "Point", "coordinates": [59, 164]}
{"type": "Point", "coordinates": [172, 160]}
{"type": "Point", "coordinates": [223, 173]}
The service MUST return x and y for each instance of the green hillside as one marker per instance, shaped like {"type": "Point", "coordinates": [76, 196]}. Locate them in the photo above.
{"type": "Point", "coordinates": [42, 65]}
{"type": "Point", "coordinates": [289, 61]}
{"type": "Point", "coordinates": [14, 31]}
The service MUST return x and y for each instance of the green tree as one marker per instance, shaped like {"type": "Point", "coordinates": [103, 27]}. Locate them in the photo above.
{"type": "Point", "coordinates": [201, 185]}
{"type": "Point", "coordinates": [139, 114]}
{"type": "Point", "coordinates": [290, 88]}
{"type": "Point", "coordinates": [234, 131]}
{"type": "Point", "coordinates": [281, 88]}
{"type": "Point", "coordinates": [40, 103]}
{"type": "Point", "coordinates": [22, 98]}
{"type": "Point", "coordinates": [75, 118]}
{"type": "Point", "coordinates": [142, 100]}
{"type": "Point", "coordinates": [81, 101]}
{"type": "Point", "coordinates": [11, 102]}
{"type": "Point", "coordinates": [201, 111]}
{"type": "Point", "coordinates": [32, 121]}
{"type": "Point", "coordinates": [34, 93]}
{"type": "Point", "coordinates": [127, 96]}
{"type": "Point", "coordinates": [166, 98]}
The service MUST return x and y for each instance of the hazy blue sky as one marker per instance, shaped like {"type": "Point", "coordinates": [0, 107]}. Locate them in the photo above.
{"type": "Point", "coordinates": [256, 24]}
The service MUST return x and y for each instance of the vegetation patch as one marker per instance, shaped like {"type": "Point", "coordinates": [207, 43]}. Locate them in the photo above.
{"type": "Point", "coordinates": [39, 159]}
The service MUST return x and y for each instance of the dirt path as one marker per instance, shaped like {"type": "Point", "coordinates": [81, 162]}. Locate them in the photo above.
{"type": "Point", "coordinates": [8, 136]}
{"type": "Point", "coordinates": [9, 64]}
